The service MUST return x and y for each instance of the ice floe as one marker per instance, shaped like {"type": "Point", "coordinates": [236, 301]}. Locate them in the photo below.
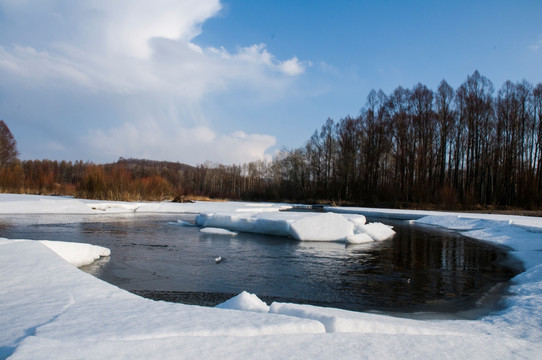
{"type": "Point", "coordinates": [217, 231]}
{"type": "Point", "coordinates": [303, 226]}
{"type": "Point", "coordinates": [181, 223]}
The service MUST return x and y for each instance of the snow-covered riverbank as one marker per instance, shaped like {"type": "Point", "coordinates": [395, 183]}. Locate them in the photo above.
{"type": "Point", "coordinates": [49, 307]}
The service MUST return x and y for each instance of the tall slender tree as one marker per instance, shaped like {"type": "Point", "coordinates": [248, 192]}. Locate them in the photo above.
{"type": "Point", "coordinates": [8, 146]}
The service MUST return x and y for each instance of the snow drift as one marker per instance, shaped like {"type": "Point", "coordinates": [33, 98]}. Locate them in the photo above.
{"type": "Point", "coordinates": [77, 254]}
{"type": "Point", "coordinates": [246, 302]}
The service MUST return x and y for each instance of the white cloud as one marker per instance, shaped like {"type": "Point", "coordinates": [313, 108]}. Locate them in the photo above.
{"type": "Point", "coordinates": [194, 145]}
{"type": "Point", "coordinates": [258, 55]}
{"type": "Point", "coordinates": [292, 67]}
{"type": "Point", "coordinates": [56, 146]}
{"type": "Point", "coordinates": [137, 49]}
{"type": "Point", "coordinates": [538, 45]}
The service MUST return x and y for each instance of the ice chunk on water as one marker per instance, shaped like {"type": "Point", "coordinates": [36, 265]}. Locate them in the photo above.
{"type": "Point", "coordinates": [359, 239]}
{"type": "Point", "coordinates": [322, 227]}
{"type": "Point", "coordinates": [246, 302]}
{"type": "Point", "coordinates": [269, 223]}
{"type": "Point", "coordinates": [357, 220]}
{"type": "Point", "coordinates": [181, 223]}
{"type": "Point", "coordinates": [218, 231]}
{"type": "Point", "coordinates": [300, 226]}
{"type": "Point", "coordinates": [377, 231]}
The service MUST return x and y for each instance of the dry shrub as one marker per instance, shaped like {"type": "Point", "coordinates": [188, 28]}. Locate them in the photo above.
{"type": "Point", "coordinates": [447, 197]}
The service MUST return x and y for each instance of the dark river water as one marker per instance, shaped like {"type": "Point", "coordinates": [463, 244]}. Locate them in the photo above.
{"type": "Point", "coordinates": [422, 269]}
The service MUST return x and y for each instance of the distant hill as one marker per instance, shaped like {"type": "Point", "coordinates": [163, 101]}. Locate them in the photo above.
{"type": "Point", "coordinates": [152, 166]}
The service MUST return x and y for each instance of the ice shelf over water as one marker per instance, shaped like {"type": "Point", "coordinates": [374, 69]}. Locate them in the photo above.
{"type": "Point", "coordinates": [49, 309]}
{"type": "Point", "coordinates": [77, 254]}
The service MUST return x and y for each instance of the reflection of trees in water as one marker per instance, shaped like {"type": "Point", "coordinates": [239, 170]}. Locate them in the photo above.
{"type": "Point", "coordinates": [418, 267]}
{"type": "Point", "coordinates": [120, 229]}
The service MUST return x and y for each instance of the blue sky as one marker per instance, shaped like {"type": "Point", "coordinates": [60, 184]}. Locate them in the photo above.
{"type": "Point", "coordinates": [234, 81]}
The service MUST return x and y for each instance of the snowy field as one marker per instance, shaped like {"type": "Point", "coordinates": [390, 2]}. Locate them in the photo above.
{"type": "Point", "coordinates": [51, 310]}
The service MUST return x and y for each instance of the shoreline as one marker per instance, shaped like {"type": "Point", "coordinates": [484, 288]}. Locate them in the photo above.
{"type": "Point", "coordinates": [100, 320]}
{"type": "Point", "coordinates": [468, 307]}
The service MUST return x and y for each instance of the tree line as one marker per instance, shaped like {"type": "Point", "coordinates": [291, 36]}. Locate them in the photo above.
{"type": "Point", "coordinates": [126, 179]}
{"type": "Point", "coordinates": [449, 148]}
{"type": "Point", "coordinates": [445, 148]}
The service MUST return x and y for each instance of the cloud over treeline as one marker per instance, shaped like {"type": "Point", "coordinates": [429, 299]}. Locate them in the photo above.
{"type": "Point", "coordinates": [138, 69]}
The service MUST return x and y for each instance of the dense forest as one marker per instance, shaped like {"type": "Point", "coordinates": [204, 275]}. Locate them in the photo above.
{"type": "Point", "coordinates": [417, 147]}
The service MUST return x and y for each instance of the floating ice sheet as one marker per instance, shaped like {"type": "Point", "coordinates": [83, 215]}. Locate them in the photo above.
{"type": "Point", "coordinates": [303, 226]}
{"type": "Point", "coordinates": [217, 231]}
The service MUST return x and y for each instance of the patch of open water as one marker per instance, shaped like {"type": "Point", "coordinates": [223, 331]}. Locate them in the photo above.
{"type": "Point", "coordinates": [422, 269]}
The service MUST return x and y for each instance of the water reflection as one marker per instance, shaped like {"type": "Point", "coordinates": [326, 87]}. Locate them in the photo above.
{"type": "Point", "coordinates": [421, 268]}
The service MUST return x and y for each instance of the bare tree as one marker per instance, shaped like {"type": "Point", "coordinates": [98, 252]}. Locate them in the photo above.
{"type": "Point", "coordinates": [424, 127]}
{"type": "Point", "coordinates": [348, 144]}
{"type": "Point", "coordinates": [446, 121]}
{"type": "Point", "coordinates": [375, 145]}
{"type": "Point", "coordinates": [475, 106]}
{"type": "Point", "coordinates": [8, 146]}
{"type": "Point", "coordinates": [403, 142]}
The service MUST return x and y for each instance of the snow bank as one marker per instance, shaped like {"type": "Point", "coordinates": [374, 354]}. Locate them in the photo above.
{"type": "Point", "coordinates": [45, 298]}
{"type": "Point", "coordinates": [77, 254]}
{"type": "Point", "coordinates": [38, 204]}
{"type": "Point", "coordinates": [526, 236]}
{"type": "Point", "coordinates": [337, 320]}
{"type": "Point", "coordinates": [115, 207]}
{"type": "Point", "coordinates": [33, 204]}
{"type": "Point", "coordinates": [210, 206]}
{"type": "Point", "coordinates": [246, 302]}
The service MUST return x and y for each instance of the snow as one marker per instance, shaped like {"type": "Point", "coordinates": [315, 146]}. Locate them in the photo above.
{"type": "Point", "coordinates": [359, 239]}
{"type": "Point", "coordinates": [43, 296]}
{"type": "Point", "coordinates": [322, 227]}
{"type": "Point", "coordinates": [77, 254]}
{"type": "Point", "coordinates": [27, 204]}
{"type": "Point", "coordinates": [49, 307]}
{"type": "Point", "coordinates": [343, 321]}
{"type": "Point", "coordinates": [246, 302]}
{"type": "Point", "coordinates": [271, 223]}
{"type": "Point", "coordinates": [377, 231]}
{"type": "Point", "coordinates": [37, 204]}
